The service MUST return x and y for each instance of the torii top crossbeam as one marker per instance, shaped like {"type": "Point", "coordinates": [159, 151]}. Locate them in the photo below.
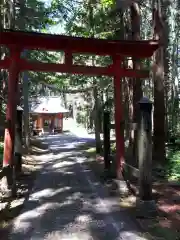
{"type": "Point", "coordinates": [49, 42]}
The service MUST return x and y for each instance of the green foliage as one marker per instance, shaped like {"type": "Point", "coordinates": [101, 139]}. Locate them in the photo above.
{"type": "Point", "coordinates": [90, 19]}
{"type": "Point", "coordinates": [107, 3]}
{"type": "Point", "coordinates": [81, 19]}
{"type": "Point", "coordinates": [33, 15]}
{"type": "Point", "coordinates": [1, 151]}
{"type": "Point", "coordinates": [62, 9]}
{"type": "Point", "coordinates": [173, 164]}
{"type": "Point", "coordinates": [81, 118]}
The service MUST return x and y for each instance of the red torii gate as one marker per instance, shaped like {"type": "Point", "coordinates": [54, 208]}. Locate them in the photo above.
{"type": "Point", "coordinates": [18, 41]}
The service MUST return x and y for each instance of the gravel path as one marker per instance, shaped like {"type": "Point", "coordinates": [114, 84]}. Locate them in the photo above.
{"type": "Point", "coordinates": [68, 202]}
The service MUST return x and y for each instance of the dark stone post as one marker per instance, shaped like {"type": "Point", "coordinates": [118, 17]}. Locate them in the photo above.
{"type": "Point", "coordinates": [145, 156]}
{"type": "Point", "coordinates": [18, 141]}
{"type": "Point", "coordinates": [106, 126]}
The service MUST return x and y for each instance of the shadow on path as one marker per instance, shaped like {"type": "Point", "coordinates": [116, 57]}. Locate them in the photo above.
{"type": "Point", "coordinates": [68, 202]}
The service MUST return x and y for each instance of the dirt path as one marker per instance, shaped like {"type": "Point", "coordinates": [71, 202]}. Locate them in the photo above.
{"type": "Point", "coordinates": [68, 202]}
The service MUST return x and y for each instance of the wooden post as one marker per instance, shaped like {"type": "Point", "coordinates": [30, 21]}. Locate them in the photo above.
{"type": "Point", "coordinates": [68, 58]}
{"type": "Point", "coordinates": [145, 149]}
{"type": "Point", "coordinates": [18, 142]}
{"type": "Point", "coordinates": [41, 125]}
{"type": "Point", "coordinates": [8, 157]}
{"type": "Point", "coordinates": [62, 117]}
{"type": "Point", "coordinates": [52, 124]}
{"type": "Point", "coordinates": [146, 203]}
{"type": "Point", "coordinates": [106, 126]}
{"type": "Point", "coordinates": [118, 116]}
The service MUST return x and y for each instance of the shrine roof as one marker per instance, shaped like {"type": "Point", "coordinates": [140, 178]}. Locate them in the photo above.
{"type": "Point", "coordinates": [47, 105]}
{"type": "Point", "coordinates": [49, 42]}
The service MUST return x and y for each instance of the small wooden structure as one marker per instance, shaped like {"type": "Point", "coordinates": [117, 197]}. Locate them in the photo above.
{"type": "Point", "coordinates": [47, 115]}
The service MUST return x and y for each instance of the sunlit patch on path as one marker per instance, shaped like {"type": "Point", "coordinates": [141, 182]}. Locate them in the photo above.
{"type": "Point", "coordinates": [68, 202]}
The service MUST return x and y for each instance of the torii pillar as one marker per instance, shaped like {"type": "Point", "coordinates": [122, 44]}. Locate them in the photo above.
{"type": "Point", "coordinates": [119, 129]}
{"type": "Point", "coordinates": [9, 138]}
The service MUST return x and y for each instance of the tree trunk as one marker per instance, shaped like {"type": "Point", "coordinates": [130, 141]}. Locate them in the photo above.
{"type": "Point", "coordinates": [159, 103]}
{"type": "Point", "coordinates": [167, 83]}
{"type": "Point", "coordinates": [26, 110]}
{"type": "Point", "coordinates": [91, 5]}
{"type": "Point", "coordinates": [97, 124]}
{"type": "Point", "coordinates": [136, 83]}
{"type": "Point", "coordinates": [1, 71]}
{"type": "Point", "coordinates": [64, 99]}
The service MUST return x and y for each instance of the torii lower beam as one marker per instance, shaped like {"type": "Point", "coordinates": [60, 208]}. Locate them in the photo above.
{"type": "Point", "coordinates": [73, 69]}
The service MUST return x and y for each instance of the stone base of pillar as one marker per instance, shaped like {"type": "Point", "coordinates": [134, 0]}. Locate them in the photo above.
{"type": "Point", "coordinates": [146, 209]}
{"type": "Point", "coordinates": [8, 183]}
{"type": "Point", "coordinates": [122, 187]}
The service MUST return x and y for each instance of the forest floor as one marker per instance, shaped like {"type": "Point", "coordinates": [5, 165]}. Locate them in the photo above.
{"type": "Point", "coordinates": [166, 224]}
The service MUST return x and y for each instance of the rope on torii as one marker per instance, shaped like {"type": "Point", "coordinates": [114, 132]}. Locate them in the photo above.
{"type": "Point", "coordinates": [72, 91]}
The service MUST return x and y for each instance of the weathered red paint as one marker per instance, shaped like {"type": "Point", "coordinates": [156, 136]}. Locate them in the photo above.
{"type": "Point", "coordinates": [11, 107]}
{"type": "Point", "coordinates": [49, 42]}
{"type": "Point", "coordinates": [118, 114]}
{"type": "Point", "coordinates": [60, 115]}
{"type": "Point", "coordinates": [62, 122]}
{"type": "Point", "coordinates": [70, 45]}
{"type": "Point", "coordinates": [68, 58]}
